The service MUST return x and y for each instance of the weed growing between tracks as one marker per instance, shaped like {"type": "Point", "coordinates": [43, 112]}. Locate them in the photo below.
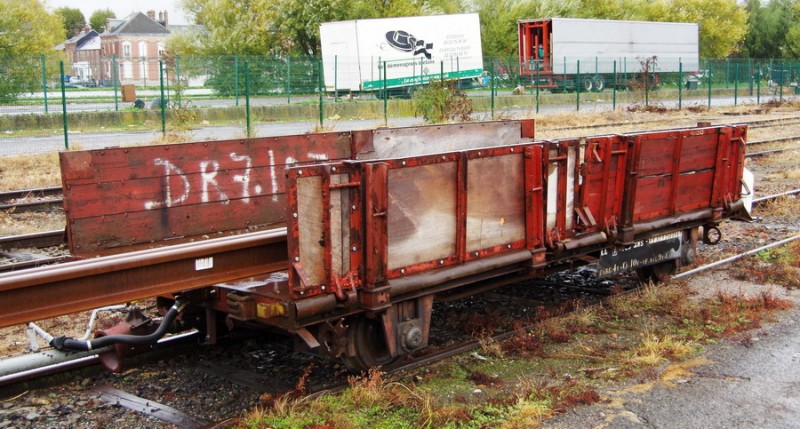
{"type": "Point", "coordinates": [564, 362]}
{"type": "Point", "coordinates": [779, 265]}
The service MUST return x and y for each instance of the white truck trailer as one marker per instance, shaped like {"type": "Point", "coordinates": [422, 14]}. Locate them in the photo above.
{"type": "Point", "coordinates": [407, 51]}
{"type": "Point", "coordinates": [590, 54]}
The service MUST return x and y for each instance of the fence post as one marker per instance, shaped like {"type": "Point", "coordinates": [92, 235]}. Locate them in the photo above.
{"type": "Point", "coordinates": [680, 84]}
{"type": "Point", "coordinates": [758, 87]}
{"type": "Point", "coordinates": [115, 79]}
{"type": "Point", "coordinates": [64, 105]}
{"type": "Point", "coordinates": [441, 71]}
{"type": "Point", "coordinates": [780, 85]}
{"type": "Point", "coordinates": [708, 67]}
{"type": "Point", "coordinates": [178, 78]}
{"type": "Point", "coordinates": [458, 74]}
{"type": "Point", "coordinates": [736, 85]}
{"type": "Point", "coordinates": [163, 102]}
{"type": "Point", "coordinates": [385, 98]}
{"type": "Point", "coordinates": [727, 71]}
{"type": "Point", "coordinates": [236, 79]}
{"type": "Point", "coordinates": [335, 78]}
{"type": "Point", "coordinates": [614, 89]}
{"type": "Point", "coordinates": [646, 83]}
{"type": "Point", "coordinates": [249, 130]}
{"type": "Point", "coordinates": [289, 79]}
{"type": "Point", "coordinates": [492, 89]}
{"type": "Point", "coordinates": [44, 82]}
{"type": "Point", "coordinates": [319, 89]}
{"type": "Point", "coordinates": [536, 85]}
{"type": "Point", "coordinates": [578, 87]}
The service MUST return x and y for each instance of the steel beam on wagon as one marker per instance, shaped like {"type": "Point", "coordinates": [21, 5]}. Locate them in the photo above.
{"type": "Point", "coordinates": [82, 285]}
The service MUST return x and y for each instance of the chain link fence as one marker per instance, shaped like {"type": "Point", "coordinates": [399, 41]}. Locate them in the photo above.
{"type": "Point", "coordinates": [46, 105]}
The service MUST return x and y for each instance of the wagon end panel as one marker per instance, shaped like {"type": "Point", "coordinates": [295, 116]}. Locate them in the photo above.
{"type": "Point", "coordinates": [683, 171]}
{"type": "Point", "coordinates": [119, 197]}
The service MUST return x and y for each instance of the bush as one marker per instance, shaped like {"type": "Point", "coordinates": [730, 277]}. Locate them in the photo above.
{"type": "Point", "coordinates": [442, 102]}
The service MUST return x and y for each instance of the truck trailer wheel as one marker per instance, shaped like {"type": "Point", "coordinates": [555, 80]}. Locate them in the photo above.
{"type": "Point", "coordinates": [588, 84]}
{"type": "Point", "coordinates": [598, 84]}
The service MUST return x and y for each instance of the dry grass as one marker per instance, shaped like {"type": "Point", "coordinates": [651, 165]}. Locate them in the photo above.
{"type": "Point", "coordinates": [655, 350]}
{"type": "Point", "coordinates": [783, 209]}
{"type": "Point", "coordinates": [26, 223]}
{"type": "Point", "coordinates": [29, 171]}
{"type": "Point", "coordinates": [780, 266]}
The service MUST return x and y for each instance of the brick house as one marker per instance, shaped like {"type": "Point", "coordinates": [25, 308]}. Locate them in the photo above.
{"type": "Point", "coordinates": [136, 44]}
{"type": "Point", "coordinates": [83, 50]}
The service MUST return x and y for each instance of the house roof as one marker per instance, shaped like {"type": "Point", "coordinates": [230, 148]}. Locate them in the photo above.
{"type": "Point", "coordinates": [85, 39]}
{"type": "Point", "coordinates": [136, 23]}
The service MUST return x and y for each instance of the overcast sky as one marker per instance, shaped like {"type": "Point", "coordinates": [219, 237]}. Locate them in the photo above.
{"type": "Point", "coordinates": [123, 8]}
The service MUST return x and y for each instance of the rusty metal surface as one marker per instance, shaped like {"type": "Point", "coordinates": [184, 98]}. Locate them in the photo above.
{"type": "Point", "coordinates": [433, 139]}
{"type": "Point", "coordinates": [124, 196]}
{"type": "Point", "coordinates": [61, 289]}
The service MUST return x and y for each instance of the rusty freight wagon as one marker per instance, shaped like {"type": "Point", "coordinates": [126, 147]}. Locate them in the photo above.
{"type": "Point", "coordinates": [344, 239]}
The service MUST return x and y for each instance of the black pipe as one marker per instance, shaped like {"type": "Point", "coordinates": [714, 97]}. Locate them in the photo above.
{"type": "Point", "coordinates": [66, 343]}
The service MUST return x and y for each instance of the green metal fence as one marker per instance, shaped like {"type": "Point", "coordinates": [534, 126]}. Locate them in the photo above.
{"type": "Point", "coordinates": [46, 105]}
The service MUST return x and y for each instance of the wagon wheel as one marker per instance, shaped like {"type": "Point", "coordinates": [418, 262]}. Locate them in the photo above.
{"type": "Point", "coordinates": [658, 272]}
{"type": "Point", "coordinates": [367, 338]}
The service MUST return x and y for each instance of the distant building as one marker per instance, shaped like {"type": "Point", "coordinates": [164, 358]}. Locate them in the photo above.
{"type": "Point", "coordinates": [134, 45]}
{"type": "Point", "coordinates": [138, 43]}
{"type": "Point", "coordinates": [83, 50]}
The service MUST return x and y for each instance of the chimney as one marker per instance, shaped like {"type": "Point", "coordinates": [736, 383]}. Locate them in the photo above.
{"type": "Point", "coordinates": [151, 14]}
{"type": "Point", "coordinates": [165, 21]}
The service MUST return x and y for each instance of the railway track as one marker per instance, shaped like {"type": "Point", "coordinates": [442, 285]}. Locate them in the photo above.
{"type": "Point", "coordinates": [248, 380]}
{"type": "Point", "coordinates": [31, 200]}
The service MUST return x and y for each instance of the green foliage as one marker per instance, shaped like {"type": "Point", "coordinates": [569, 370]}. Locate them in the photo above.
{"type": "Point", "coordinates": [26, 33]}
{"type": "Point", "coordinates": [73, 20]}
{"type": "Point", "coordinates": [442, 102]}
{"type": "Point", "coordinates": [289, 27]}
{"type": "Point", "coordinates": [98, 19]}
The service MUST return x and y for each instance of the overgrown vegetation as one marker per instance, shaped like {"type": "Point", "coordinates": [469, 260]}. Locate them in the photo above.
{"type": "Point", "coordinates": [441, 102]}
{"type": "Point", "coordinates": [539, 373]}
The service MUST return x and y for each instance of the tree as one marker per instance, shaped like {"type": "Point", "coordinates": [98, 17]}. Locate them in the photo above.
{"type": "Point", "coordinates": [73, 20]}
{"type": "Point", "coordinates": [723, 23]}
{"type": "Point", "coordinates": [290, 27]}
{"type": "Point", "coordinates": [25, 36]}
{"type": "Point", "coordinates": [98, 19]}
{"type": "Point", "coordinates": [769, 29]}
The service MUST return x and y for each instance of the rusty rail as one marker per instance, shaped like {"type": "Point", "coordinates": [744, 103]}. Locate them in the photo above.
{"type": "Point", "coordinates": [50, 291]}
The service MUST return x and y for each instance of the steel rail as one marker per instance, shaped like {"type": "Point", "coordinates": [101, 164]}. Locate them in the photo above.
{"type": "Point", "coordinates": [36, 240]}
{"type": "Point", "coordinates": [28, 193]}
{"type": "Point", "coordinates": [49, 291]}
{"type": "Point", "coordinates": [761, 200]}
{"type": "Point", "coordinates": [33, 206]}
{"type": "Point", "coordinates": [736, 257]}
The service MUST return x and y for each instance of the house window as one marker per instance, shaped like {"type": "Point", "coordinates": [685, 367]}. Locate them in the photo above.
{"type": "Point", "coordinates": [161, 50]}
{"type": "Point", "coordinates": [126, 49]}
{"type": "Point", "coordinates": [127, 70]}
{"type": "Point", "coordinates": [143, 49]}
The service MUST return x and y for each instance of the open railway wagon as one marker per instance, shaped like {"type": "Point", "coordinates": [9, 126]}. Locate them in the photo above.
{"type": "Point", "coordinates": [346, 238]}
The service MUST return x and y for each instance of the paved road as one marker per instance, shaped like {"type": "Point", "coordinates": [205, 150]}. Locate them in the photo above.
{"type": "Point", "coordinates": [732, 386]}
{"type": "Point", "coordinates": [592, 102]}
